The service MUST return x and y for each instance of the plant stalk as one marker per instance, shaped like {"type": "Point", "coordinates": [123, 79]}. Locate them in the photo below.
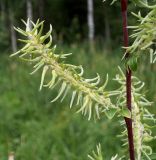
{"type": "Point", "coordinates": [124, 4]}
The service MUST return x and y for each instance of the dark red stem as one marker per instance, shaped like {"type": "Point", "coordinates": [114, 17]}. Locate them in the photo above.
{"type": "Point", "coordinates": [128, 81]}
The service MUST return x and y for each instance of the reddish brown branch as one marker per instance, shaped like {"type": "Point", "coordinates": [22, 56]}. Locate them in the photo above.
{"type": "Point", "coordinates": [128, 81]}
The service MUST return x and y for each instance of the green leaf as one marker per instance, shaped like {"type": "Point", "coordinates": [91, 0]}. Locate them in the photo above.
{"type": "Point", "coordinates": [132, 63]}
{"type": "Point", "coordinates": [125, 112]}
{"type": "Point", "coordinates": [111, 112]}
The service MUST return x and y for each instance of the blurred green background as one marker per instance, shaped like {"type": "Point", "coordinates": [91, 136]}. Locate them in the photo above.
{"type": "Point", "coordinates": [31, 126]}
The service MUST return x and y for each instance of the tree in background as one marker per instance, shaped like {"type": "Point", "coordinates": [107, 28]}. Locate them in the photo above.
{"type": "Point", "coordinates": [83, 11]}
{"type": "Point", "coordinates": [107, 26]}
{"type": "Point", "coordinates": [41, 8]}
{"type": "Point", "coordinates": [12, 31]}
{"type": "Point", "coordinates": [4, 40]}
{"type": "Point", "coordinates": [29, 11]}
{"type": "Point", "coordinates": [91, 29]}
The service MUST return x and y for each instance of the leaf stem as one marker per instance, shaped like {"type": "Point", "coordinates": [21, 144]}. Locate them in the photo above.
{"type": "Point", "coordinates": [128, 80]}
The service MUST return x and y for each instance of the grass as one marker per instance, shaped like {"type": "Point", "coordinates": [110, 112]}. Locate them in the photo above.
{"type": "Point", "coordinates": [36, 129]}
